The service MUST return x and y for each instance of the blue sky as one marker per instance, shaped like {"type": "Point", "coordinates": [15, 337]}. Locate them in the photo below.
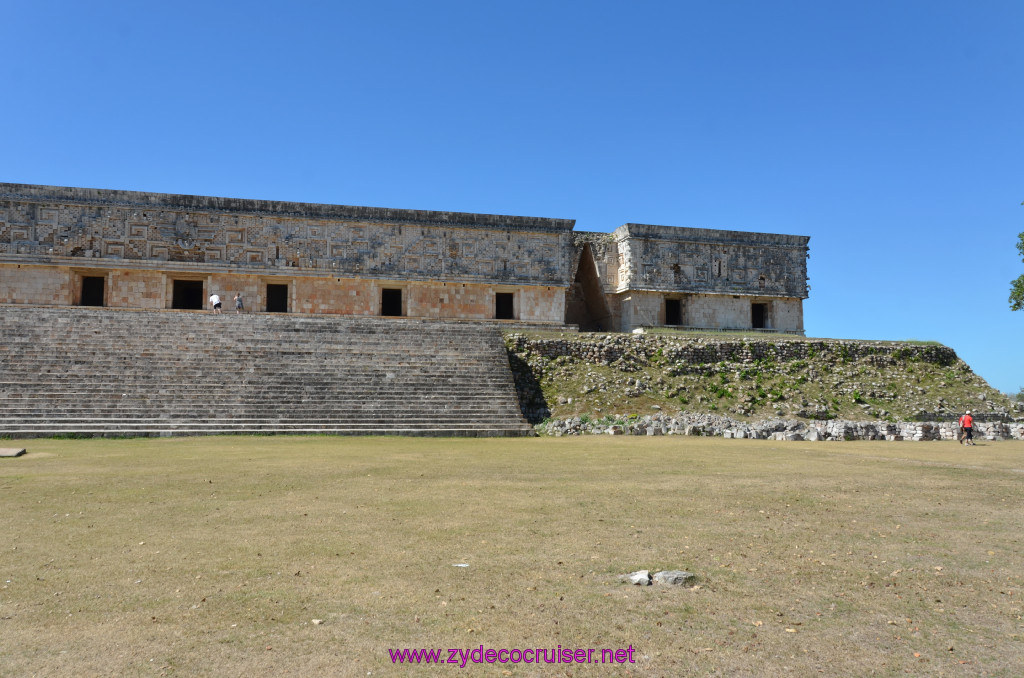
{"type": "Point", "coordinates": [891, 132]}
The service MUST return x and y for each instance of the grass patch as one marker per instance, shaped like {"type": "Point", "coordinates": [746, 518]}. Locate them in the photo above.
{"type": "Point", "coordinates": [212, 556]}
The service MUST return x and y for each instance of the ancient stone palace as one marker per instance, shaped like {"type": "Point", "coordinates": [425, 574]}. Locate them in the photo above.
{"type": "Point", "coordinates": [123, 249]}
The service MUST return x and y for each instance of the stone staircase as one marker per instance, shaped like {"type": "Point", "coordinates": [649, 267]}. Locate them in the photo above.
{"type": "Point", "coordinates": [103, 372]}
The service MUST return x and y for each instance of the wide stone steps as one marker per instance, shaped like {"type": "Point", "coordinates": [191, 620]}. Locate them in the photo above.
{"type": "Point", "coordinates": [308, 411]}
{"type": "Point", "coordinates": [107, 432]}
{"type": "Point", "coordinates": [115, 384]}
{"type": "Point", "coordinates": [117, 388]}
{"type": "Point", "coordinates": [56, 405]}
{"type": "Point", "coordinates": [77, 371]}
{"type": "Point", "coordinates": [249, 409]}
{"type": "Point", "coordinates": [116, 394]}
{"type": "Point", "coordinates": [270, 424]}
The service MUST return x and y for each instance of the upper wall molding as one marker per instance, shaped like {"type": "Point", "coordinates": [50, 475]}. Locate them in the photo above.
{"type": "Point", "coordinates": [301, 210]}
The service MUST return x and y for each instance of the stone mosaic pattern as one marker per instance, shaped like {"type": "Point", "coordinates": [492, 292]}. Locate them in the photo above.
{"type": "Point", "coordinates": [43, 223]}
{"type": "Point", "coordinates": [670, 259]}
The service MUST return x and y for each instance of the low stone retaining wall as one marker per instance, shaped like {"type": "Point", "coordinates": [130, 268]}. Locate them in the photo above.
{"type": "Point", "coordinates": [775, 429]}
{"type": "Point", "coordinates": [615, 349]}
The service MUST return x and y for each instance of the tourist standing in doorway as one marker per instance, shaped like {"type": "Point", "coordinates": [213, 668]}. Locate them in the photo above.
{"type": "Point", "coordinates": [239, 306]}
{"type": "Point", "coordinates": [967, 424]}
{"type": "Point", "coordinates": [215, 302]}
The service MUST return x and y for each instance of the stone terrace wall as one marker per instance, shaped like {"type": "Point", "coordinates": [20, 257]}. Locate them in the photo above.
{"type": "Point", "coordinates": [619, 350]}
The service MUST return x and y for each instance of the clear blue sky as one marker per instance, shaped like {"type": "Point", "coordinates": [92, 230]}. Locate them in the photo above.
{"type": "Point", "coordinates": [891, 132]}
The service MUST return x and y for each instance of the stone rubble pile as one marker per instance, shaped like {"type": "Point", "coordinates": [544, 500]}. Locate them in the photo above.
{"type": "Point", "coordinates": [698, 424]}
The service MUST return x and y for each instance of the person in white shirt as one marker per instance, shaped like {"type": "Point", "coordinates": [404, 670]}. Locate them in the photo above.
{"type": "Point", "coordinates": [215, 302]}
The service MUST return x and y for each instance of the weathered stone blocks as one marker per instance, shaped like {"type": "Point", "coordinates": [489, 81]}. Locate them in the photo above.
{"type": "Point", "coordinates": [337, 258]}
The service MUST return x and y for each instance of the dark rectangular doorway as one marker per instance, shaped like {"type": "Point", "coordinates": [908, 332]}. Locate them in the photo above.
{"type": "Point", "coordinates": [503, 309]}
{"type": "Point", "coordinates": [673, 312]}
{"type": "Point", "coordinates": [758, 316]}
{"type": "Point", "coordinates": [92, 290]}
{"type": "Point", "coordinates": [277, 298]}
{"type": "Point", "coordinates": [187, 295]}
{"type": "Point", "coordinates": [391, 302]}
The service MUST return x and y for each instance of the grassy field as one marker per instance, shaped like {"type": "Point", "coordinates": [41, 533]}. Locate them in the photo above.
{"type": "Point", "coordinates": [214, 556]}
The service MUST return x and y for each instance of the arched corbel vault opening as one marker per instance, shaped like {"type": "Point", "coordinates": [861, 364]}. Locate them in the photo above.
{"type": "Point", "coordinates": [586, 304]}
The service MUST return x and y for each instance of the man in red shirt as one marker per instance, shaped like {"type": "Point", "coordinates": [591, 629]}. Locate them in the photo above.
{"type": "Point", "coordinates": [967, 424]}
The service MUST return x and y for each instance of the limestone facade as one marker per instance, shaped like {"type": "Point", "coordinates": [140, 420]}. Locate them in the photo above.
{"type": "Point", "coordinates": [694, 277]}
{"type": "Point", "coordinates": [124, 249]}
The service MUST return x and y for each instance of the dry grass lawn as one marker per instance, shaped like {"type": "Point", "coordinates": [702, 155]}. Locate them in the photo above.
{"type": "Point", "coordinates": [213, 556]}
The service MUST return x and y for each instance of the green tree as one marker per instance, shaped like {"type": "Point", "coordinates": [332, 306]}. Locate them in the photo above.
{"type": "Point", "coordinates": [1017, 286]}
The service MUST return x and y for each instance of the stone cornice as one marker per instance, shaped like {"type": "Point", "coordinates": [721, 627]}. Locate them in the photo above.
{"type": "Point", "coordinates": [298, 210]}
{"type": "Point", "coordinates": [708, 235]}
